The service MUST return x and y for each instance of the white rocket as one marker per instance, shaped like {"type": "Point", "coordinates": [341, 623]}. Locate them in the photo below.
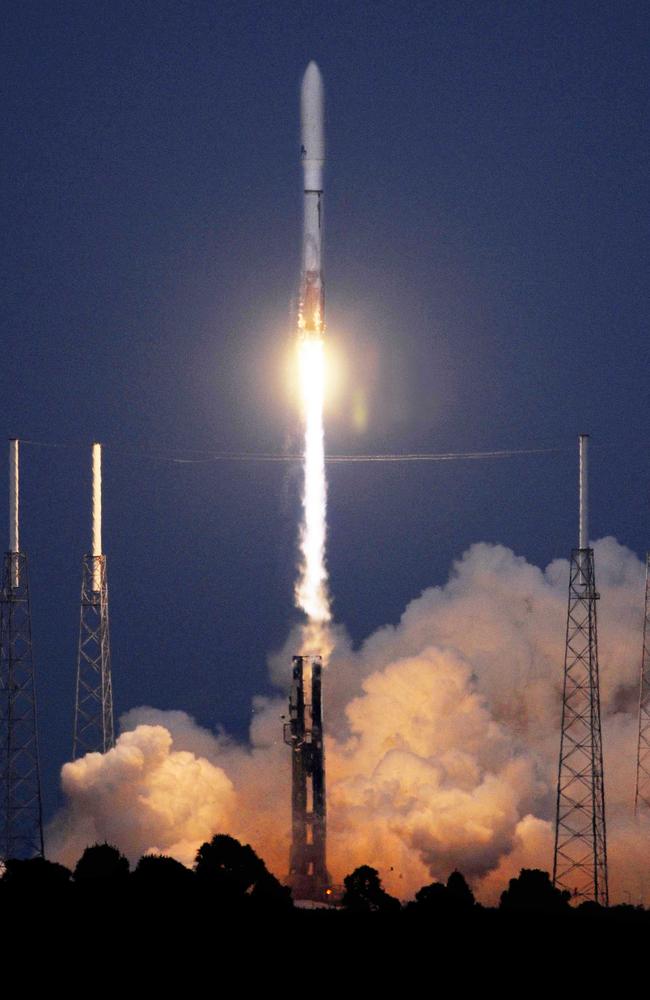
{"type": "Point", "coordinates": [311, 319]}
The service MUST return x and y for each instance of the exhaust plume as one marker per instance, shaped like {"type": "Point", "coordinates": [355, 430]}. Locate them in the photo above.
{"type": "Point", "coordinates": [442, 748]}
{"type": "Point", "coordinates": [312, 595]}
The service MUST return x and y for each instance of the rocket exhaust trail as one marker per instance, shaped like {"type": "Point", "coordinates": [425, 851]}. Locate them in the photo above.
{"type": "Point", "coordinates": [308, 876]}
{"type": "Point", "coordinates": [311, 588]}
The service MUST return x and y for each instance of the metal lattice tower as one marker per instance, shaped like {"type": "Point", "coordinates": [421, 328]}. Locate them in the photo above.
{"type": "Point", "coordinates": [642, 791]}
{"type": "Point", "coordinates": [580, 856]}
{"type": "Point", "coordinates": [21, 821]}
{"type": "Point", "coordinates": [308, 875]}
{"type": "Point", "coordinates": [93, 717]}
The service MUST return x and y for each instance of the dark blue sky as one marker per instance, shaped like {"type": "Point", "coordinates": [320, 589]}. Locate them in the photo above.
{"type": "Point", "coordinates": [486, 266]}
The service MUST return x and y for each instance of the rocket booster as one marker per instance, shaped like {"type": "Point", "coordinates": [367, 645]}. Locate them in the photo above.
{"type": "Point", "coordinates": [311, 318]}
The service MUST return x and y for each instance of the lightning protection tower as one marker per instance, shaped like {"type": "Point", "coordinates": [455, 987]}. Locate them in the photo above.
{"type": "Point", "coordinates": [580, 857]}
{"type": "Point", "coordinates": [93, 717]}
{"type": "Point", "coordinates": [21, 823]}
{"type": "Point", "coordinates": [642, 791]}
{"type": "Point", "coordinates": [308, 875]}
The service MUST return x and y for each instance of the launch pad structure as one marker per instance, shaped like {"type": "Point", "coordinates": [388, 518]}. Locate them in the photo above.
{"type": "Point", "coordinates": [21, 820]}
{"type": "Point", "coordinates": [93, 716]}
{"type": "Point", "coordinates": [308, 875]}
{"type": "Point", "coordinates": [642, 789]}
{"type": "Point", "coordinates": [580, 854]}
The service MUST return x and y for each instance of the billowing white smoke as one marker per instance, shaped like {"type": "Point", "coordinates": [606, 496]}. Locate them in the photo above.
{"type": "Point", "coordinates": [442, 746]}
{"type": "Point", "coordinates": [143, 791]}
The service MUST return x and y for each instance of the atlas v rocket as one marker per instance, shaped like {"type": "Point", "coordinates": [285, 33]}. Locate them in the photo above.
{"type": "Point", "coordinates": [311, 318]}
{"type": "Point", "coordinates": [308, 875]}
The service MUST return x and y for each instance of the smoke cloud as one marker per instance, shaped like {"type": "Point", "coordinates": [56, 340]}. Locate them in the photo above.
{"type": "Point", "coordinates": [441, 749]}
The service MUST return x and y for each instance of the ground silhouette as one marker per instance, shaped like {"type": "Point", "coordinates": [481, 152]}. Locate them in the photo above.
{"type": "Point", "coordinates": [454, 898]}
{"type": "Point", "coordinates": [35, 874]}
{"type": "Point", "coordinates": [364, 893]}
{"type": "Point", "coordinates": [534, 891]}
{"type": "Point", "coordinates": [158, 871]}
{"type": "Point", "coordinates": [229, 883]}
{"type": "Point", "coordinates": [103, 864]}
{"type": "Point", "coordinates": [236, 876]}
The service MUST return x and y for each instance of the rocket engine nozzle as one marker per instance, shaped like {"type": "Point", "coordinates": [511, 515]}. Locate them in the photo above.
{"type": "Point", "coordinates": [312, 305]}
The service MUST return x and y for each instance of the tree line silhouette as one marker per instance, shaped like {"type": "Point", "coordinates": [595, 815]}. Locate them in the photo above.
{"type": "Point", "coordinates": [232, 878]}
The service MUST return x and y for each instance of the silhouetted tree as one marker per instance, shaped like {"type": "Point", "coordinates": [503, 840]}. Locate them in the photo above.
{"type": "Point", "coordinates": [432, 897]}
{"type": "Point", "coordinates": [460, 896]}
{"type": "Point", "coordinates": [269, 894]}
{"type": "Point", "coordinates": [35, 874]}
{"type": "Point", "coordinates": [455, 897]}
{"type": "Point", "coordinates": [230, 869]}
{"type": "Point", "coordinates": [590, 908]}
{"type": "Point", "coordinates": [157, 871]}
{"type": "Point", "coordinates": [533, 890]}
{"type": "Point", "coordinates": [101, 863]}
{"type": "Point", "coordinates": [364, 892]}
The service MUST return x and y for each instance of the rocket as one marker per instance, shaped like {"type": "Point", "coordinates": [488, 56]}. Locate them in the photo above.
{"type": "Point", "coordinates": [311, 317]}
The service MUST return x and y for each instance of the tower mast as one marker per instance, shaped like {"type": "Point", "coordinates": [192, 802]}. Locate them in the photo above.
{"type": "Point", "coordinates": [21, 820]}
{"type": "Point", "coordinates": [642, 790]}
{"type": "Point", "coordinates": [580, 855]}
{"type": "Point", "coordinates": [93, 717]}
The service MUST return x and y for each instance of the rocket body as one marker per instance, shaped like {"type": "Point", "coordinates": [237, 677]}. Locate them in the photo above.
{"type": "Point", "coordinates": [311, 318]}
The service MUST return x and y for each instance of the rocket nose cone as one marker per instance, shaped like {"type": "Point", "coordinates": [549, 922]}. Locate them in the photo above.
{"type": "Point", "coordinates": [311, 107]}
{"type": "Point", "coordinates": [312, 78]}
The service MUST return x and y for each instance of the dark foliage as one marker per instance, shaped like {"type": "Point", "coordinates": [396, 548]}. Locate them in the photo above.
{"type": "Point", "coordinates": [364, 892]}
{"type": "Point", "coordinates": [534, 891]}
{"type": "Point", "coordinates": [432, 897]}
{"type": "Point", "coordinates": [235, 875]}
{"type": "Point", "coordinates": [455, 898]}
{"type": "Point", "coordinates": [231, 882]}
{"type": "Point", "coordinates": [460, 894]}
{"type": "Point", "coordinates": [269, 894]}
{"type": "Point", "coordinates": [35, 874]}
{"type": "Point", "coordinates": [230, 867]}
{"type": "Point", "coordinates": [157, 871]}
{"type": "Point", "coordinates": [101, 863]}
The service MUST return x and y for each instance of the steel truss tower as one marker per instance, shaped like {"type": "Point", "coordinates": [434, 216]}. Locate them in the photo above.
{"type": "Point", "coordinates": [93, 717]}
{"type": "Point", "coordinates": [308, 875]}
{"type": "Point", "coordinates": [580, 856]}
{"type": "Point", "coordinates": [21, 822]}
{"type": "Point", "coordinates": [642, 791]}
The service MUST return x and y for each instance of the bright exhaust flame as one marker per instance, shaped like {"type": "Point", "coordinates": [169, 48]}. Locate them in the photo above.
{"type": "Point", "coordinates": [311, 588]}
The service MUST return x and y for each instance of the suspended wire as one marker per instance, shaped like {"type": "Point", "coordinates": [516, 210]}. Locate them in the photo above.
{"type": "Point", "coordinates": [196, 457]}
{"type": "Point", "coordinates": [442, 456]}
{"type": "Point", "coordinates": [51, 444]}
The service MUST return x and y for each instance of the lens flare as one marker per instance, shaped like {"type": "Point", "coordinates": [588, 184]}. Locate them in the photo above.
{"type": "Point", "coordinates": [312, 594]}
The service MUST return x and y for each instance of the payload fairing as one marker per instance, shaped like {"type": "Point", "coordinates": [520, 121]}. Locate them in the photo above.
{"type": "Point", "coordinates": [311, 319]}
